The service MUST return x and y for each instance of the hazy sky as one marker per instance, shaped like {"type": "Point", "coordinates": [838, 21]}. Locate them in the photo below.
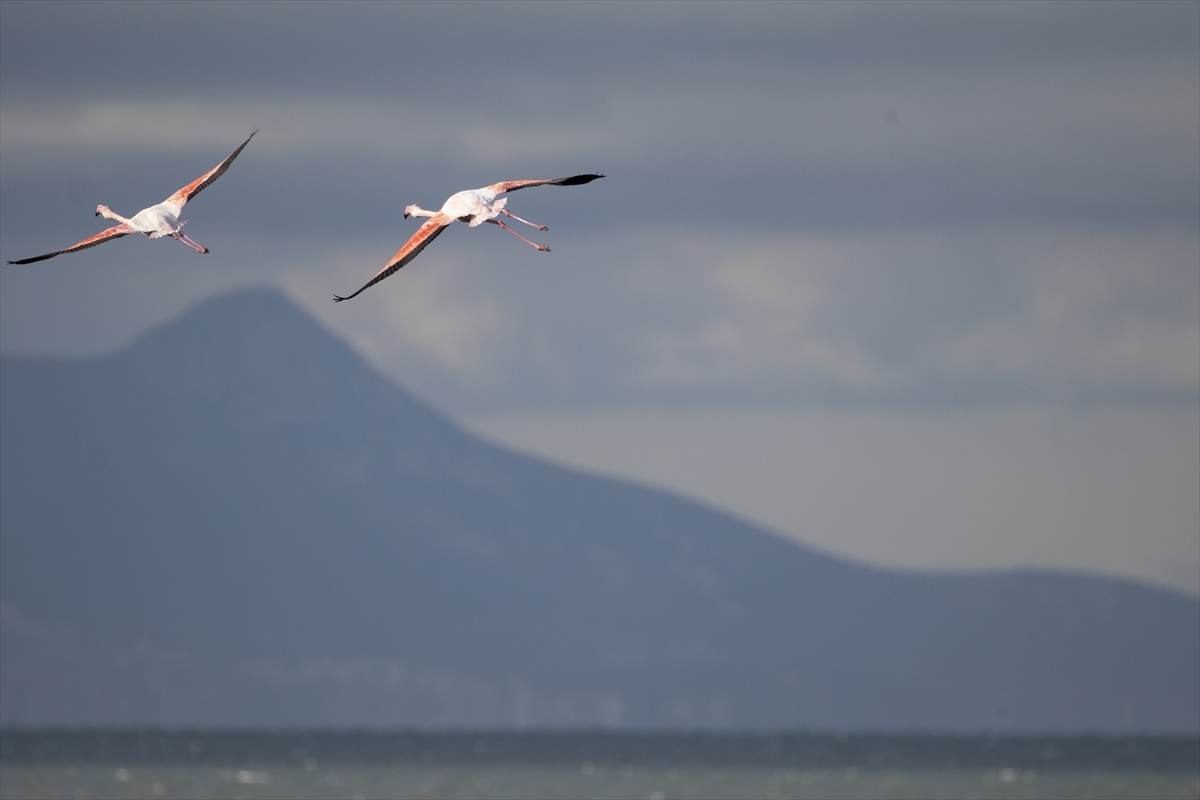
{"type": "Point", "coordinates": [916, 283]}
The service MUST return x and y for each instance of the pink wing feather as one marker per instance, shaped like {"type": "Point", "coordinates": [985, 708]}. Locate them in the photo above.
{"type": "Point", "coordinates": [416, 243]}
{"type": "Point", "coordinates": [180, 198]}
{"type": "Point", "coordinates": [115, 232]}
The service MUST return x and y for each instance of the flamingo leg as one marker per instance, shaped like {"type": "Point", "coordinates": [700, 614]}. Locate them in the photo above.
{"type": "Point", "coordinates": [541, 247]}
{"type": "Point", "coordinates": [527, 222]}
{"type": "Point", "coordinates": [183, 237]}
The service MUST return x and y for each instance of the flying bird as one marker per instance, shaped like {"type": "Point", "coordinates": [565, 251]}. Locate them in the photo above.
{"type": "Point", "coordinates": [156, 221]}
{"type": "Point", "coordinates": [475, 207]}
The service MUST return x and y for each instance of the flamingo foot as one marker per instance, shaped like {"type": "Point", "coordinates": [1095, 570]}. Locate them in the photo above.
{"type": "Point", "coordinates": [180, 236]}
{"type": "Point", "coordinates": [541, 247]}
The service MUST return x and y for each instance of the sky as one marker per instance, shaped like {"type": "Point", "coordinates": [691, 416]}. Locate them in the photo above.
{"type": "Point", "coordinates": [916, 284]}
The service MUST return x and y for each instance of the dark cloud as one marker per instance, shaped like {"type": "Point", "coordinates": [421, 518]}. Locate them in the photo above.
{"type": "Point", "coordinates": [959, 153]}
{"type": "Point", "coordinates": [476, 49]}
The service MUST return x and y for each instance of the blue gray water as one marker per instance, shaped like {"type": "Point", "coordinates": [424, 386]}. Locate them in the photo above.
{"type": "Point", "coordinates": [150, 764]}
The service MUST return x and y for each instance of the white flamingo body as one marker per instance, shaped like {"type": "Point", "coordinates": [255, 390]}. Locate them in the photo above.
{"type": "Point", "coordinates": [474, 207]}
{"type": "Point", "coordinates": [156, 221]}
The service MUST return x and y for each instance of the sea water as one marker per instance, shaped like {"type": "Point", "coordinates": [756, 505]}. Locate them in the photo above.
{"type": "Point", "coordinates": [151, 764]}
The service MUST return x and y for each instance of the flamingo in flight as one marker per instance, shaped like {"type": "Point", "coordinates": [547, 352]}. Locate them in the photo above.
{"type": "Point", "coordinates": [156, 221]}
{"type": "Point", "coordinates": [475, 207]}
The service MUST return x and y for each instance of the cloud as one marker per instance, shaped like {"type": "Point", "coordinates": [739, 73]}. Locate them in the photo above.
{"type": "Point", "coordinates": [728, 118]}
{"type": "Point", "coordinates": [657, 317]}
{"type": "Point", "coordinates": [435, 316]}
{"type": "Point", "coordinates": [298, 127]}
{"type": "Point", "coordinates": [1046, 314]}
{"type": "Point", "coordinates": [811, 204]}
{"type": "Point", "coordinates": [776, 119]}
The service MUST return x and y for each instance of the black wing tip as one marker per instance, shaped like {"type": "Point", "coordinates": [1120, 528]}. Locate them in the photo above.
{"type": "Point", "coordinates": [577, 180]}
{"type": "Point", "coordinates": [234, 154]}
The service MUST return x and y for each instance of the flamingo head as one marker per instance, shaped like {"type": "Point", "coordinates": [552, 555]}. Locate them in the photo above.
{"type": "Point", "coordinates": [100, 211]}
{"type": "Point", "coordinates": [408, 211]}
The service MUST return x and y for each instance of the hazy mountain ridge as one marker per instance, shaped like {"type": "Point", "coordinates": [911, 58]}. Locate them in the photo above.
{"type": "Point", "coordinates": [294, 540]}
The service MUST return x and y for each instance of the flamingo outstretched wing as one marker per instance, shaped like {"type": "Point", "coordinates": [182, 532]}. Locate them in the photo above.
{"type": "Point", "coordinates": [180, 198]}
{"type": "Point", "coordinates": [418, 242]}
{"type": "Point", "coordinates": [115, 232]}
{"type": "Point", "coordinates": [512, 186]}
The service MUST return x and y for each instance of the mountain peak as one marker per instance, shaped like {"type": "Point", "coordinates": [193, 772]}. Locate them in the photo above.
{"type": "Point", "coordinates": [255, 350]}
{"type": "Point", "coordinates": [259, 317]}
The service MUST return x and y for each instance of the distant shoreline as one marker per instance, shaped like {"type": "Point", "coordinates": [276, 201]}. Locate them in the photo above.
{"type": "Point", "coordinates": [151, 746]}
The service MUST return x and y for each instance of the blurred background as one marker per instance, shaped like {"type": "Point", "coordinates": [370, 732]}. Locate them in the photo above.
{"type": "Point", "coordinates": [862, 394]}
{"type": "Point", "coordinates": [914, 284]}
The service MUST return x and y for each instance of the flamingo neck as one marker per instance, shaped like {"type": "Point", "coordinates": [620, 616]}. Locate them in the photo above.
{"type": "Point", "coordinates": [417, 211]}
{"type": "Point", "coordinates": [108, 213]}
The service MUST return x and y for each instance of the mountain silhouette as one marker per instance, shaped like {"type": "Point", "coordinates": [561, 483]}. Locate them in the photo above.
{"type": "Point", "coordinates": [237, 521]}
